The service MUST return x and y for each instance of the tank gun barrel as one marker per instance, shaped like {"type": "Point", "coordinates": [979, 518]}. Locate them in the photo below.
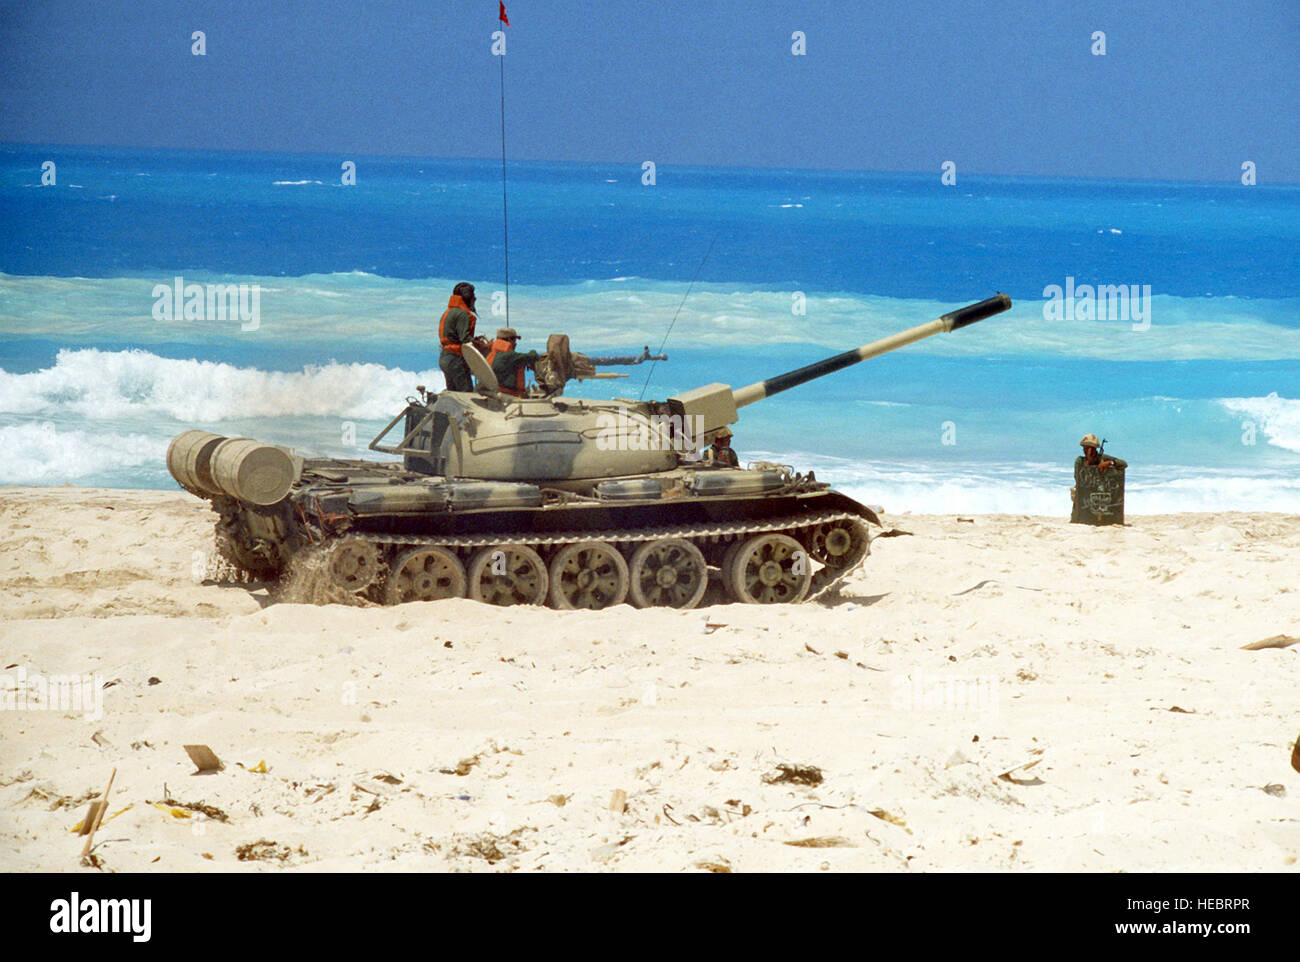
{"type": "Point", "coordinates": [714, 405]}
{"type": "Point", "coordinates": [951, 321]}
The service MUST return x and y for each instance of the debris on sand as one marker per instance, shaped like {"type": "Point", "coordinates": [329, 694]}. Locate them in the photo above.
{"type": "Point", "coordinates": [487, 846]}
{"type": "Point", "coordinates": [92, 821]}
{"type": "Point", "coordinates": [822, 841]}
{"type": "Point", "coordinates": [1277, 641]}
{"type": "Point", "coordinates": [720, 867]}
{"type": "Point", "coordinates": [891, 818]}
{"type": "Point", "coordinates": [794, 774]}
{"type": "Point", "coordinates": [463, 767]}
{"type": "Point", "coordinates": [204, 759]}
{"type": "Point", "coordinates": [56, 801]}
{"type": "Point", "coordinates": [81, 827]}
{"type": "Point", "coordinates": [1009, 775]}
{"type": "Point", "coordinates": [994, 581]}
{"type": "Point", "coordinates": [264, 850]}
{"type": "Point", "coordinates": [208, 811]}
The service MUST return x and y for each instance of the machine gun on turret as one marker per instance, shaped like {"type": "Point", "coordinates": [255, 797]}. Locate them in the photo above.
{"type": "Point", "coordinates": [559, 365]}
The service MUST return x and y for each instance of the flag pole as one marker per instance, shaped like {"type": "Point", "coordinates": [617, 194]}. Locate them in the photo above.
{"type": "Point", "coordinates": [505, 210]}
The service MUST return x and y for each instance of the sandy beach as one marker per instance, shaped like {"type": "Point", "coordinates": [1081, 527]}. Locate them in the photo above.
{"type": "Point", "coordinates": [999, 693]}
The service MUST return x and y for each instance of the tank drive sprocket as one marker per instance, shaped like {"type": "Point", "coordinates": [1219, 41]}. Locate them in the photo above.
{"type": "Point", "coordinates": [838, 544]}
{"type": "Point", "coordinates": [353, 564]}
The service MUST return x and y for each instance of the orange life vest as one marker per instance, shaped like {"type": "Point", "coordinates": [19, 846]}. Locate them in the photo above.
{"type": "Point", "coordinates": [502, 347]}
{"type": "Point", "coordinates": [456, 301]}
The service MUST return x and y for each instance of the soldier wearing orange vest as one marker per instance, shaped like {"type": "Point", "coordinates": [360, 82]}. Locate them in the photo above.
{"type": "Point", "coordinates": [508, 364]}
{"type": "Point", "coordinates": [455, 330]}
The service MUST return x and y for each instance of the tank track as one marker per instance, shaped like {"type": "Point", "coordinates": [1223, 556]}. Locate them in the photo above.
{"type": "Point", "coordinates": [823, 580]}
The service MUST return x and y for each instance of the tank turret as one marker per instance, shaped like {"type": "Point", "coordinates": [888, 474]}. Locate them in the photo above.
{"type": "Point", "coordinates": [543, 499]}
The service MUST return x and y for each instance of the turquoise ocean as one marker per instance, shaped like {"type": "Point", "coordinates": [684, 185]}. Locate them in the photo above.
{"type": "Point", "coordinates": [1200, 393]}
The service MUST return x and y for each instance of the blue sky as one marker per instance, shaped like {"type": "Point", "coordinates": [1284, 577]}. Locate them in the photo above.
{"type": "Point", "coordinates": [1187, 90]}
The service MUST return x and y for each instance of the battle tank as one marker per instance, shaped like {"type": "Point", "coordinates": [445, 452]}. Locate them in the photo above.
{"type": "Point", "coordinates": [545, 499]}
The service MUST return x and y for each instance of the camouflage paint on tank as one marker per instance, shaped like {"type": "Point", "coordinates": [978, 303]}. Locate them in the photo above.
{"type": "Point", "coordinates": [546, 439]}
{"type": "Point", "coordinates": [734, 482]}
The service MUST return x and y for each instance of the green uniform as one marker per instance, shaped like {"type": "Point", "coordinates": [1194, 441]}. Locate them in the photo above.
{"type": "Point", "coordinates": [1079, 464]}
{"type": "Point", "coordinates": [455, 329]}
{"type": "Point", "coordinates": [458, 327]}
{"type": "Point", "coordinates": [509, 365]}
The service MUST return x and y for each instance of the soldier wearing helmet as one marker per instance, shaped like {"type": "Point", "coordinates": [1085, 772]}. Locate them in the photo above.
{"type": "Point", "coordinates": [720, 452]}
{"type": "Point", "coordinates": [1092, 454]}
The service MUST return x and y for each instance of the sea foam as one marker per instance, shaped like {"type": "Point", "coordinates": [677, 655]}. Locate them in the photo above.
{"type": "Point", "coordinates": [104, 385]}
{"type": "Point", "coordinates": [1277, 418]}
{"type": "Point", "coordinates": [356, 307]}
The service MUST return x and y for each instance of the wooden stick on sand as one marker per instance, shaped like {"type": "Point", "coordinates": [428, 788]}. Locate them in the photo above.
{"type": "Point", "coordinates": [97, 815]}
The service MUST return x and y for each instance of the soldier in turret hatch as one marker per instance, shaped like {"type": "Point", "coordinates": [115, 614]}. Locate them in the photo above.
{"type": "Point", "coordinates": [455, 330]}
{"type": "Point", "coordinates": [720, 452]}
{"type": "Point", "coordinates": [508, 364]}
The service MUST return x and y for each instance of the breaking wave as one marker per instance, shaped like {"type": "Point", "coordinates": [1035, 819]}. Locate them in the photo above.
{"type": "Point", "coordinates": [40, 453]}
{"type": "Point", "coordinates": [105, 385]}
{"type": "Point", "coordinates": [1277, 418]}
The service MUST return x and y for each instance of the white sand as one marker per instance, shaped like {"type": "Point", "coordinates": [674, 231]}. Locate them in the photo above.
{"type": "Point", "coordinates": [1073, 652]}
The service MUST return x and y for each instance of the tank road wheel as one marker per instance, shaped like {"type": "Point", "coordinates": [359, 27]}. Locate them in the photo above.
{"type": "Point", "coordinates": [769, 569]}
{"type": "Point", "coordinates": [728, 556]}
{"type": "Point", "coordinates": [425, 574]}
{"type": "Point", "coordinates": [508, 574]}
{"type": "Point", "coordinates": [838, 544]}
{"type": "Point", "coordinates": [353, 564]}
{"type": "Point", "coordinates": [589, 574]}
{"type": "Point", "coordinates": [671, 572]}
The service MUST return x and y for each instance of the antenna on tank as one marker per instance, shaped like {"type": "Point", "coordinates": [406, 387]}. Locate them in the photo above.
{"type": "Point", "coordinates": [659, 353]}
{"type": "Point", "coordinates": [505, 216]}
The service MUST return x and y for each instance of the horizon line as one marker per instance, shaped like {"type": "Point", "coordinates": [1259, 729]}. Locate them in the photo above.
{"type": "Point", "coordinates": [594, 163]}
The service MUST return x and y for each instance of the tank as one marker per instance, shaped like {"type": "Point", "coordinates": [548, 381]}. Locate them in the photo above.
{"type": "Point", "coordinates": [543, 500]}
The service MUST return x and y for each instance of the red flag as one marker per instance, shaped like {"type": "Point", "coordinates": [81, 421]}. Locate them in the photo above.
{"type": "Point", "coordinates": [502, 16]}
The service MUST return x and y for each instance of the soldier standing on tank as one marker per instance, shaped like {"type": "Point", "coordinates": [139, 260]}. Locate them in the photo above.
{"type": "Point", "coordinates": [720, 451]}
{"type": "Point", "coordinates": [455, 330]}
{"type": "Point", "coordinates": [508, 364]}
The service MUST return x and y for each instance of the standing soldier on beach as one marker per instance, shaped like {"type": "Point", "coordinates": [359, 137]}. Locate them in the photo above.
{"type": "Point", "coordinates": [455, 330]}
